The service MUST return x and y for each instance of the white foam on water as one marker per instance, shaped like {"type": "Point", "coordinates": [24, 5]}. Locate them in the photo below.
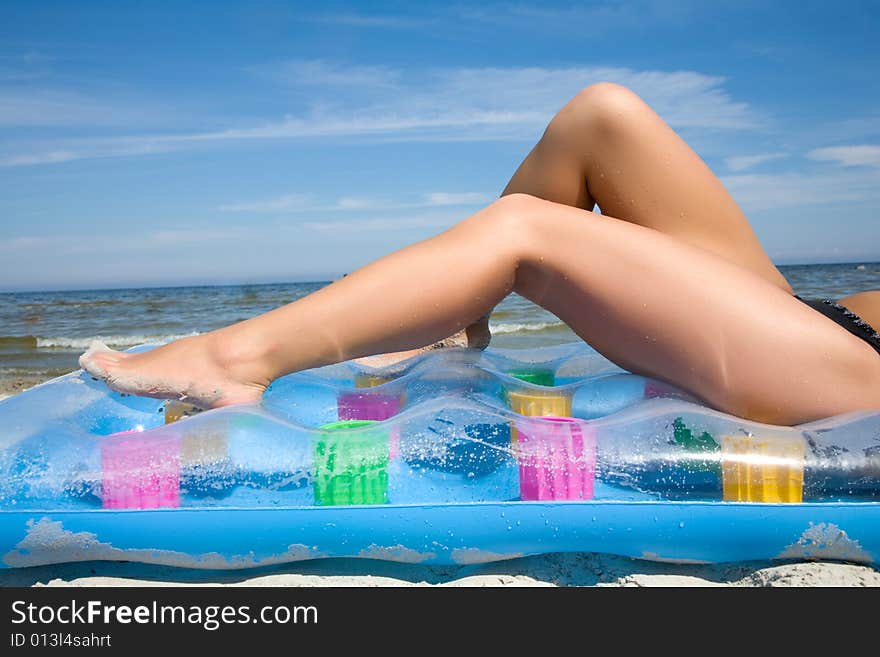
{"type": "Point", "coordinates": [518, 327]}
{"type": "Point", "coordinates": [64, 342]}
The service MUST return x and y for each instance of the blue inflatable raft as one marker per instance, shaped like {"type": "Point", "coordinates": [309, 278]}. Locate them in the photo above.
{"type": "Point", "coordinates": [455, 457]}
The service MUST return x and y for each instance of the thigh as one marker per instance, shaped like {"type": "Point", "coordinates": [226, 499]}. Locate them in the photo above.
{"type": "Point", "coordinates": [866, 305]}
{"type": "Point", "coordinates": [610, 147]}
{"type": "Point", "coordinates": [661, 307]}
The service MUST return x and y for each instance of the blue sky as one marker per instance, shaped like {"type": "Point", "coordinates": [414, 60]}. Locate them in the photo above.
{"type": "Point", "coordinates": [168, 142]}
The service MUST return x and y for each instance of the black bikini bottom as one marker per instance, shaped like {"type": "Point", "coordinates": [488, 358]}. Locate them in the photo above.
{"type": "Point", "coordinates": [847, 319]}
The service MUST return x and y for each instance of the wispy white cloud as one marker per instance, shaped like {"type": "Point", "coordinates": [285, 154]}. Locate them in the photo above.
{"type": "Point", "coordinates": [460, 198]}
{"type": "Point", "coordinates": [743, 162]}
{"type": "Point", "coordinates": [47, 157]}
{"type": "Point", "coordinates": [208, 236]}
{"type": "Point", "coordinates": [435, 105]}
{"type": "Point", "coordinates": [21, 107]}
{"type": "Point", "coordinates": [840, 130]}
{"type": "Point", "coordinates": [351, 19]}
{"type": "Point", "coordinates": [849, 156]}
{"type": "Point", "coordinates": [121, 243]}
{"type": "Point", "coordinates": [684, 98]}
{"type": "Point", "coordinates": [477, 126]}
{"type": "Point", "coordinates": [772, 191]}
{"type": "Point", "coordinates": [519, 101]}
{"type": "Point", "coordinates": [81, 149]}
{"type": "Point", "coordinates": [354, 203]}
{"type": "Point", "coordinates": [284, 203]}
{"type": "Point", "coordinates": [23, 67]}
{"type": "Point", "coordinates": [620, 15]}
{"type": "Point", "coordinates": [358, 225]}
{"type": "Point", "coordinates": [323, 73]}
{"type": "Point", "coordinates": [367, 122]}
{"type": "Point", "coordinates": [303, 203]}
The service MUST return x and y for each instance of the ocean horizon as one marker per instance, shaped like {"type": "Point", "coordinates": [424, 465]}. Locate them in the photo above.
{"type": "Point", "coordinates": [324, 280]}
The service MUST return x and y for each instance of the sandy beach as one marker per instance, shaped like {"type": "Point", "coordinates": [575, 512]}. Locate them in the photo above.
{"type": "Point", "coordinates": [14, 385]}
{"type": "Point", "coordinates": [579, 569]}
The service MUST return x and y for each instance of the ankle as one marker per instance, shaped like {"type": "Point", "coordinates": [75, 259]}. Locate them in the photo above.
{"type": "Point", "coordinates": [240, 355]}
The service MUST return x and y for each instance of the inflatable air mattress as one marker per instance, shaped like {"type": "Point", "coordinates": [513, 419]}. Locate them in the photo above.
{"type": "Point", "coordinates": [454, 457]}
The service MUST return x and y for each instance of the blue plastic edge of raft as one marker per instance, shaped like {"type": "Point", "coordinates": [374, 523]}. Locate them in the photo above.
{"type": "Point", "coordinates": [688, 532]}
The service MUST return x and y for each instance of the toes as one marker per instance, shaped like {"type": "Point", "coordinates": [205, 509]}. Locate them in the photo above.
{"type": "Point", "coordinates": [96, 346]}
{"type": "Point", "coordinates": [96, 359]}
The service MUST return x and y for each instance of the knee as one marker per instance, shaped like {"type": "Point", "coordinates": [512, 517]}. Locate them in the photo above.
{"type": "Point", "coordinates": [516, 213]}
{"type": "Point", "coordinates": [604, 94]}
{"type": "Point", "coordinates": [603, 106]}
{"type": "Point", "coordinates": [509, 223]}
{"type": "Point", "coordinates": [515, 205]}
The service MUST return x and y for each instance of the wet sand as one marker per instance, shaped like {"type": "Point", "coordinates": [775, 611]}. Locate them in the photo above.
{"type": "Point", "coordinates": [14, 385]}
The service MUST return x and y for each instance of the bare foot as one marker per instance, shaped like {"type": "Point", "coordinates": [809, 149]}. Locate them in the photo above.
{"type": "Point", "coordinates": [199, 370]}
{"type": "Point", "coordinates": [475, 336]}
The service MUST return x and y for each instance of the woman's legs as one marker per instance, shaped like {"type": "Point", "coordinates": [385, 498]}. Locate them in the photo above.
{"type": "Point", "coordinates": [691, 318]}
{"type": "Point", "coordinates": [608, 147]}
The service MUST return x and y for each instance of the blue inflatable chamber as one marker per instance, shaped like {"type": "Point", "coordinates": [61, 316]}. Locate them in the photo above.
{"type": "Point", "coordinates": [454, 457]}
